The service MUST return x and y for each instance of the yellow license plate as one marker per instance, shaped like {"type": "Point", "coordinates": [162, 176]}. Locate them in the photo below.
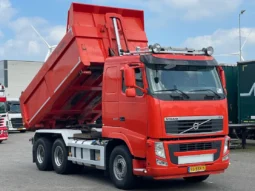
{"type": "Point", "coordinates": [193, 169]}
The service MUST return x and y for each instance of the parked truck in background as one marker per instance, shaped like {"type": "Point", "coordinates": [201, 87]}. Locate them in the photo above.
{"type": "Point", "coordinates": [15, 75]}
{"type": "Point", "coordinates": [3, 128]}
{"type": "Point", "coordinates": [240, 83]}
{"type": "Point", "coordinates": [13, 115]}
{"type": "Point", "coordinates": [106, 99]}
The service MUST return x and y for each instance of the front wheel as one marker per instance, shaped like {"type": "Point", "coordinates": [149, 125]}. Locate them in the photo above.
{"type": "Point", "coordinates": [121, 168]}
{"type": "Point", "coordinates": [196, 178]}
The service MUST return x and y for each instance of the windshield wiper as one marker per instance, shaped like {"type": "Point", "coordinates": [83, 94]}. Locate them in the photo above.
{"type": "Point", "coordinates": [200, 90]}
{"type": "Point", "coordinates": [175, 89]}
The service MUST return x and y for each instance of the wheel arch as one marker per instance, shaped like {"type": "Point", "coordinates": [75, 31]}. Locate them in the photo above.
{"type": "Point", "coordinates": [109, 148]}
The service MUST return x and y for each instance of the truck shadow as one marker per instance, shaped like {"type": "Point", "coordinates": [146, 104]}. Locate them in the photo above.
{"type": "Point", "coordinates": [146, 183]}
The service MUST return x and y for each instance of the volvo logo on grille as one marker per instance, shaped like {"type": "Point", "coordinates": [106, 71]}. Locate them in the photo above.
{"type": "Point", "coordinates": [195, 126]}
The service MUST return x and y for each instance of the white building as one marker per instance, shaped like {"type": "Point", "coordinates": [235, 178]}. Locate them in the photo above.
{"type": "Point", "coordinates": [16, 75]}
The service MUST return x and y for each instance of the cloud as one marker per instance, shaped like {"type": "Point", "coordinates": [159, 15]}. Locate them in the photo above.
{"type": "Point", "coordinates": [201, 9]}
{"type": "Point", "coordinates": [224, 41]}
{"type": "Point", "coordinates": [56, 33]}
{"type": "Point", "coordinates": [6, 11]}
{"type": "Point", "coordinates": [191, 10]}
{"type": "Point", "coordinates": [26, 44]}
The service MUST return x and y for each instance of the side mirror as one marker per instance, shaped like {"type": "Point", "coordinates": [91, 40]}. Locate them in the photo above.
{"type": "Point", "coordinates": [223, 78]}
{"type": "Point", "coordinates": [130, 92]}
{"type": "Point", "coordinates": [129, 76]}
{"type": "Point", "coordinates": [8, 107]}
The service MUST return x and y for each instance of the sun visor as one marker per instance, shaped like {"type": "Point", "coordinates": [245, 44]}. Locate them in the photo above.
{"type": "Point", "coordinates": [150, 59]}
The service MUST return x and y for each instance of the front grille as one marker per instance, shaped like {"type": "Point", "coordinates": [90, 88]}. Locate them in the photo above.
{"type": "Point", "coordinates": [17, 122]}
{"type": "Point", "coordinates": [173, 148]}
{"type": "Point", "coordinates": [187, 125]}
{"type": "Point", "coordinates": [195, 146]}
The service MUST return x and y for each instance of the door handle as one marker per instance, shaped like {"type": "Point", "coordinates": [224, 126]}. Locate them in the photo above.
{"type": "Point", "coordinates": [122, 119]}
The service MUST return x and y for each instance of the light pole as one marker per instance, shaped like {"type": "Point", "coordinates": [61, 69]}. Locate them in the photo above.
{"type": "Point", "coordinates": [240, 43]}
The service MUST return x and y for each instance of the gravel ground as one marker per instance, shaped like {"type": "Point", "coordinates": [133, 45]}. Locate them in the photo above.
{"type": "Point", "coordinates": [18, 173]}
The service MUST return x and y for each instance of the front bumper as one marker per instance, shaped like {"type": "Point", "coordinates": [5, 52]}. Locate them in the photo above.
{"type": "Point", "coordinates": [3, 138]}
{"type": "Point", "coordinates": [16, 129]}
{"type": "Point", "coordinates": [175, 168]}
{"type": "Point", "coordinates": [179, 172]}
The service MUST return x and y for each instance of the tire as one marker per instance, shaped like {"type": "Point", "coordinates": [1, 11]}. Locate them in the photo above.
{"type": "Point", "coordinates": [43, 154]}
{"type": "Point", "coordinates": [59, 158]}
{"type": "Point", "coordinates": [196, 179]}
{"type": "Point", "coordinates": [122, 154]}
{"type": "Point", "coordinates": [1, 141]}
{"type": "Point", "coordinates": [22, 131]}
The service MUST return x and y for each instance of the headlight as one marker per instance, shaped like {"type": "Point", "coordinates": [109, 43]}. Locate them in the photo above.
{"type": "Point", "coordinates": [159, 149]}
{"type": "Point", "coordinates": [226, 145]}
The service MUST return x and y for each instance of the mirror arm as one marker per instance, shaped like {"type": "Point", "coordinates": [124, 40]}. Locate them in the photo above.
{"type": "Point", "coordinates": [142, 89]}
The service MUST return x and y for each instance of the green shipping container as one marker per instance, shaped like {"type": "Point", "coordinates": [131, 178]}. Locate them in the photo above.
{"type": "Point", "coordinates": [240, 81]}
{"type": "Point", "coordinates": [231, 80]}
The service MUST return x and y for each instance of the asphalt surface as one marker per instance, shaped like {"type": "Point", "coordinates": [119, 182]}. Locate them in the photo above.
{"type": "Point", "coordinates": [18, 173]}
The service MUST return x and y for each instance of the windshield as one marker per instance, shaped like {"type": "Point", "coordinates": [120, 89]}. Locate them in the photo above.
{"type": "Point", "coordinates": [184, 80]}
{"type": "Point", "coordinates": [13, 107]}
{"type": "Point", "coordinates": [2, 107]}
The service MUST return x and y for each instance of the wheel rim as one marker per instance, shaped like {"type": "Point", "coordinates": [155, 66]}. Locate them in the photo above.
{"type": "Point", "coordinates": [40, 154]}
{"type": "Point", "coordinates": [58, 156]}
{"type": "Point", "coordinates": [119, 167]}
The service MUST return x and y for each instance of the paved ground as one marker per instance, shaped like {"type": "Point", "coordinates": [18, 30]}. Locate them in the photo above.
{"type": "Point", "coordinates": [17, 172]}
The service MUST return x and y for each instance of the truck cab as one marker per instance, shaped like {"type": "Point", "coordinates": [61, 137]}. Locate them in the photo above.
{"type": "Point", "coordinates": [172, 109]}
{"type": "Point", "coordinates": [14, 117]}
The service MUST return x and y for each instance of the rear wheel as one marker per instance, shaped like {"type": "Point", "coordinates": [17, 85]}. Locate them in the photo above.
{"type": "Point", "coordinates": [121, 168]}
{"type": "Point", "coordinates": [59, 158]}
{"type": "Point", "coordinates": [196, 178]}
{"type": "Point", "coordinates": [1, 141]}
{"type": "Point", "coordinates": [22, 131]}
{"type": "Point", "coordinates": [43, 154]}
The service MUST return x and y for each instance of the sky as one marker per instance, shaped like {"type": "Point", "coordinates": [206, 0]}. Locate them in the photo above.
{"type": "Point", "coordinates": [177, 23]}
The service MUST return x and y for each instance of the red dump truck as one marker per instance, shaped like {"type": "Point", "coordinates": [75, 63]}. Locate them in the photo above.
{"type": "Point", "coordinates": [107, 99]}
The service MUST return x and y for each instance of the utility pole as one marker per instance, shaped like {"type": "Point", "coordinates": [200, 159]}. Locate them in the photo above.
{"type": "Point", "coordinates": [240, 40]}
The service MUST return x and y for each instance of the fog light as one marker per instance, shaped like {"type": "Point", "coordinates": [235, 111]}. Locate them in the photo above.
{"type": "Point", "coordinates": [226, 157]}
{"type": "Point", "coordinates": [161, 163]}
